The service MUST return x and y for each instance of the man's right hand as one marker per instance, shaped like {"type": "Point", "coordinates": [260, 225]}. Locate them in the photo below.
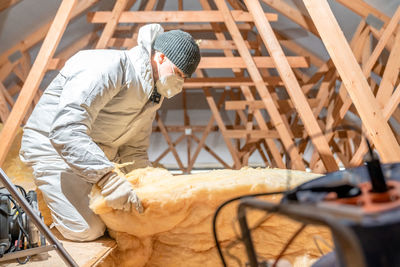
{"type": "Point", "coordinates": [118, 192]}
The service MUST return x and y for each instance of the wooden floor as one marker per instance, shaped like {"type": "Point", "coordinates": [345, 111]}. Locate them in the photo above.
{"type": "Point", "coordinates": [84, 253]}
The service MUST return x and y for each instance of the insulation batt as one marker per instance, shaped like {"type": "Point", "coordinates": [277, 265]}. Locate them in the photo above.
{"type": "Point", "coordinates": [176, 226]}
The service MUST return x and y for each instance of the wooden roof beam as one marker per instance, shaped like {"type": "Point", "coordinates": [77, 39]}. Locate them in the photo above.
{"type": "Point", "coordinates": [293, 14]}
{"type": "Point", "coordinates": [292, 86]}
{"type": "Point", "coordinates": [220, 62]}
{"type": "Point", "coordinates": [354, 80]}
{"type": "Point", "coordinates": [363, 9]}
{"type": "Point", "coordinates": [40, 34]}
{"type": "Point", "coordinates": [173, 16]}
{"type": "Point", "coordinates": [109, 29]}
{"type": "Point", "coordinates": [276, 118]}
{"type": "Point", "coordinates": [35, 76]}
{"type": "Point", "coordinates": [4, 4]}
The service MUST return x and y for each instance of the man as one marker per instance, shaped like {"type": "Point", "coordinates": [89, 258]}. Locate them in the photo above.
{"type": "Point", "coordinates": [99, 110]}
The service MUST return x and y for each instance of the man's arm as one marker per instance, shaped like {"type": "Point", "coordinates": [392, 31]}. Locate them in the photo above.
{"type": "Point", "coordinates": [83, 96]}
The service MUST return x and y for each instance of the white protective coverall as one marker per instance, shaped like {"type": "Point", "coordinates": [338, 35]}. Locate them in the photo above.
{"type": "Point", "coordinates": [97, 110]}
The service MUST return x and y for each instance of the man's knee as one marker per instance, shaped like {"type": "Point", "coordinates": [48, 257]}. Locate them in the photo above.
{"type": "Point", "coordinates": [88, 233]}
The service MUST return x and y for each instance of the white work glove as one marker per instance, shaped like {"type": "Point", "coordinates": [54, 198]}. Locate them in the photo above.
{"type": "Point", "coordinates": [118, 192]}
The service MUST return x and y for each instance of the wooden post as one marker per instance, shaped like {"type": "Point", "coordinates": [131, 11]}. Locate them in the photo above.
{"type": "Point", "coordinates": [391, 73]}
{"type": "Point", "coordinates": [354, 80]}
{"type": "Point", "coordinates": [35, 76]}
{"type": "Point", "coordinates": [109, 29]}
{"type": "Point", "coordinates": [261, 88]}
{"type": "Point", "coordinates": [4, 111]}
{"type": "Point", "coordinates": [292, 86]}
{"type": "Point", "coordinates": [169, 142]}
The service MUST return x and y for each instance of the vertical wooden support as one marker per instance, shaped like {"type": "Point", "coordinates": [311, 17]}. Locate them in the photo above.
{"type": "Point", "coordinates": [6, 4]}
{"type": "Point", "coordinates": [187, 127]}
{"type": "Point", "coordinates": [35, 76]}
{"type": "Point", "coordinates": [354, 80]}
{"type": "Point", "coordinates": [109, 29]}
{"type": "Point", "coordinates": [222, 128]}
{"type": "Point", "coordinates": [292, 85]}
{"type": "Point", "coordinates": [248, 95]}
{"type": "Point", "coordinates": [261, 88]}
{"type": "Point", "coordinates": [202, 141]}
{"type": "Point", "coordinates": [4, 111]}
{"type": "Point", "coordinates": [169, 142]}
{"type": "Point", "coordinates": [391, 73]}
{"type": "Point", "coordinates": [40, 34]}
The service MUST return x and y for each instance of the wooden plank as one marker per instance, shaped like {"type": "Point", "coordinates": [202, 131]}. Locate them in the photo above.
{"type": "Point", "coordinates": [6, 69]}
{"type": "Point", "coordinates": [223, 44]}
{"type": "Point", "coordinates": [354, 80]}
{"type": "Point", "coordinates": [4, 4]}
{"type": "Point", "coordinates": [169, 142]}
{"type": "Point", "coordinates": [221, 62]}
{"type": "Point", "coordinates": [174, 143]}
{"type": "Point", "coordinates": [6, 94]}
{"type": "Point", "coordinates": [101, 255]}
{"type": "Point", "coordinates": [4, 111]}
{"type": "Point", "coordinates": [40, 34]}
{"type": "Point", "coordinates": [389, 30]}
{"type": "Point", "coordinates": [238, 62]}
{"type": "Point", "coordinates": [35, 76]}
{"type": "Point", "coordinates": [221, 82]}
{"type": "Point", "coordinates": [391, 73]}
{"type": "Point", "coordinates": [181, 128]}
{"type": "Point", "coordinates": [251, 133]}
{"type": "Point", "coordinates": [109, 29]}
{"type": "Point", "coordinates": [388, 111]}
{"type": "Point", "coordinates": [298, 49]}
{"type": "Point", "coordinates": [204, 44]}
{"type": "Point", "coordinates": [293, 14]}
{"type": "Point", "coordinates": [284, 105]}
{"type": "Point", "coordinates": [292, 86]}
{"type": "Point", "coordinates": [259, 84]}
{"type": "Point", "coordinates": [221, 125]}
{"type": "Point", "coordinates": [173, 16]}
{"type": "Point", "coordinates": [246, 90]}
{"type": "Point", "coordinates": [86, 254]}
{"type": "Point", "coordinates": [186, 122]}
{"type": "Point", "coordinates": [392, 104]}
{"type": "Point", "coordinates": [363, 9]}
{"type": "Point", "coordinates": [207, 130]}
{"type": "Point", "coordinates": [212, 153]}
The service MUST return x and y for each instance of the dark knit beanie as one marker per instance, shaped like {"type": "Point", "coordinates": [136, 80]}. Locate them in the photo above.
{"type": "Point", "coordinates": [179, 47]}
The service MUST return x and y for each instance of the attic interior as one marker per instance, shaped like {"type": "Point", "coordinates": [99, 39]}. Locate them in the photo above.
{"type": "Point", "coordinates": [290, 90]}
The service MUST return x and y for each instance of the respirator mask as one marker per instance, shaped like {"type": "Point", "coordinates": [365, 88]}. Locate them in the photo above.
{"type": "Point", "coordinates": [170, 84]}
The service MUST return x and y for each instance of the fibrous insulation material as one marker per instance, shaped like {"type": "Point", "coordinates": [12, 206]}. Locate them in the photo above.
{"type": "Point", "coordinates": [176, 230]}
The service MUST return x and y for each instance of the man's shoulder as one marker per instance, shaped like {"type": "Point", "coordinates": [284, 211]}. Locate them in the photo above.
{"type": "Point", "coordinates": [95, 61]}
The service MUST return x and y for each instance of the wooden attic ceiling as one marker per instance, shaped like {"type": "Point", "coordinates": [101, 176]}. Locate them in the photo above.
{"type": "Point", "coordinates": [282, 104]}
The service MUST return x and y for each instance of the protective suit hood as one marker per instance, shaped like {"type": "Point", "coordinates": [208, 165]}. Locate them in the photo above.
{"type": "Point", "coordinates": [142, 54]}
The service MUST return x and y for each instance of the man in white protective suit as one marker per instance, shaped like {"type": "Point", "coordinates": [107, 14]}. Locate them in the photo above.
{"type": "Point", "coordinates": [98, 110]}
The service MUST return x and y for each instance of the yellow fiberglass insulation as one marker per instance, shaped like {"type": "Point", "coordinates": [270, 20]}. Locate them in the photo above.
{"type": "Point", "coordinates": [175, 228]}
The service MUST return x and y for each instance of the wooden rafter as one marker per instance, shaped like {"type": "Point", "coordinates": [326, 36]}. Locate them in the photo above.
{"type": "Point", "coordinates": [277, 115]}
{"type": "Point", "coordinates": [35, 76]}
{"type": "Point", "coordinates": [354, 80]}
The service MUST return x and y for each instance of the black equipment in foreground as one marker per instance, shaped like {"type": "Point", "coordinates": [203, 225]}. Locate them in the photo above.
{"type": "Point", "coordinates": [35, 219]}
{"type": "Point", "coordinates": [361, 206]}
{"type": "Point", "coordinates": [17, 231]}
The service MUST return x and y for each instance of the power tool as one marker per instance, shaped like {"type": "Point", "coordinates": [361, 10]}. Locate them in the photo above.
{"type": "Point", "coordinates": [17, 231]}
